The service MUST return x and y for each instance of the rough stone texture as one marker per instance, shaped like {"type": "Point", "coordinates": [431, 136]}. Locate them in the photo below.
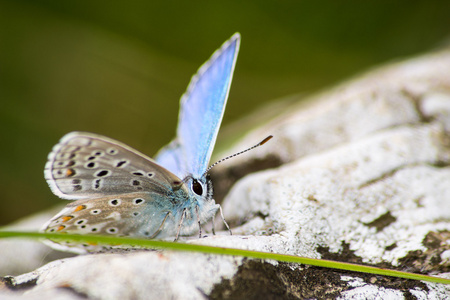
{"type": "Point", "coordinates": [20, 256]}
{"type": "Point", "coordinates": [363, 177]}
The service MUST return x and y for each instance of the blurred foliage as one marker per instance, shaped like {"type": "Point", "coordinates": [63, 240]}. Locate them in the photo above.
{"type": "Point", "coordinates": [118, 68]}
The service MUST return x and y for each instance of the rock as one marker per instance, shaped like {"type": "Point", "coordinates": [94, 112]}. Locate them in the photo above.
{"type": "Point", "coordinates": [359, 174]}
{"type": "Point", "coordinates": [20, 256]}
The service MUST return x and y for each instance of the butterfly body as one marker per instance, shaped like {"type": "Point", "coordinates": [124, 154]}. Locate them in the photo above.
{"type": "Point", "coordinates": [122, 192]}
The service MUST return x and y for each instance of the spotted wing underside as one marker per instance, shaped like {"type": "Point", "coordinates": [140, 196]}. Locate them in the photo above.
{"type": "Point", "coordinates": [86, 165]}
{"type": "Point", "coordinates": [134, 215]}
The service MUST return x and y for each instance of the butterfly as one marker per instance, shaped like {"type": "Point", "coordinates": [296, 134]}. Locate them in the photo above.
{"type": "Point", "coordinates": [122, 192]}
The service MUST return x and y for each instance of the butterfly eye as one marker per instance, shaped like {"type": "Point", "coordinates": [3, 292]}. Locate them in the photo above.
{"type": "Point", "coordinates": [197, 187]}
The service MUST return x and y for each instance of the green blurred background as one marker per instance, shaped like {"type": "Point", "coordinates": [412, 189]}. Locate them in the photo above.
{"type": "Point", "coordinates": [118, 68]}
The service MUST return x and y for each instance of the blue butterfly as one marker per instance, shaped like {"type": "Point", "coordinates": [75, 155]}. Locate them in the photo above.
{"type": "Point", "coordinates": [122, 192]}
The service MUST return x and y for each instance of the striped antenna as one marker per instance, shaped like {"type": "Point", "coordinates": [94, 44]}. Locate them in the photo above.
{"type": "Point", "coordinates": [239, 153]}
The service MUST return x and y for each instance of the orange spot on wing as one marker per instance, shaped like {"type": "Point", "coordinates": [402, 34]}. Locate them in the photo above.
{"type": "Point", "coordinates": [60, 227]}
{"type": "Point", "coordinates": [70, 172]}
{"type": "Point", "coordinates": [66, 218]}
{"type": "Point", "coordinates": [79, 207]}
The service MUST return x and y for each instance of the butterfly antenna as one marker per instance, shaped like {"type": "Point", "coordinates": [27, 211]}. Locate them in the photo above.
{"type": "Point", "coordinates": [239, 153]}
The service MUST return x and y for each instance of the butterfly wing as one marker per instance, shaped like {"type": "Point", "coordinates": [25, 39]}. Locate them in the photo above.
{"type": "Point", "coordinates": [170, 157]}
{"type": "Point", "coordinates": [86, 165]}
{"type": "Point", "coordinates": [133, 214]}
{"type": "Point", "coordinates": [201, 112]}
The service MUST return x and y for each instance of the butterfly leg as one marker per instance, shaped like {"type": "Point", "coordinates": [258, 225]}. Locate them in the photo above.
{"type": "Point", "coordinates": [160, 227]}
{"type": "Point", "coordinates": [223, 219]}
{"type": "Point", "coordinates": [213, 222]}
{"type": "Point", "coordinates": [199, 225]}
{"type": "Point", "coordinates": [183, 214]}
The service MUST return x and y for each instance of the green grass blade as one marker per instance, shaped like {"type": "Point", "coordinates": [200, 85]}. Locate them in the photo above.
{"type": "Point", "coordinates": [179, 246]}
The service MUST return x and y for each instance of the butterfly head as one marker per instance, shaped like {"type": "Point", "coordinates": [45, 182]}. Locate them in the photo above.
{"type": "Point", "coordinates": [199, 188]}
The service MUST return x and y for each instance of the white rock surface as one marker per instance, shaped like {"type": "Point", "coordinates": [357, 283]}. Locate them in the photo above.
{"type": "Point", "coordinates": [365, 178]}
{"type": "Point", "coordinates": [20, 256]}
{"type": "Point", "coordinates": [141, 275]}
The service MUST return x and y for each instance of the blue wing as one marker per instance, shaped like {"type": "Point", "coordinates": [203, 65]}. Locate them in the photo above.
{"type": "Point", "coordinates": [170, 157]}
{"type": "Point", "coordinates": [201, 111]}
